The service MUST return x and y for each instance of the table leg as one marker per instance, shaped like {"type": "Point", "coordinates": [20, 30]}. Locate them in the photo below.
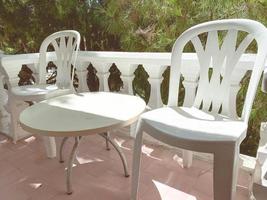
{"type": "Point", "coordinates": [61, 149]}
{"type": "Point", "coordinates": [107, 143]}
{"type": "Point", "coordinates": [123, 159]}
{"type": "Point", "coordinates": [70, 163]}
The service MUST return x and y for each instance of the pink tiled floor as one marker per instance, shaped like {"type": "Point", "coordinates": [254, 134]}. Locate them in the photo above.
{"type": "Point", "coordinates": [26, 174]}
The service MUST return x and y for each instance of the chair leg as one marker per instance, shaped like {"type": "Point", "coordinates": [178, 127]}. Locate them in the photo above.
{"type": "Point", "coordinates": [13, 127]}
{"type": "Point", "coordinates": [50, 147]}
{"type": "Point", "coordinates": [225, 172]}
{"type": "Point", "coordinates": [136, 164]}
{"type": "Point", "coordinates": [187, 158]}
{"type": "Point", "coordinates": [14, 109]}
{"type": "Point", "coordinates": [250, 186]}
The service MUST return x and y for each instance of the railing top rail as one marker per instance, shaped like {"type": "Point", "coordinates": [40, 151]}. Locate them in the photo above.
{"type": "Point", "coordinates": [111, 56]}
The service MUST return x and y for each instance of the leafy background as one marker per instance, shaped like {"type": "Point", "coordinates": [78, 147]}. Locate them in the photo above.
{"type": "Point", "coordinates": [127, 25]}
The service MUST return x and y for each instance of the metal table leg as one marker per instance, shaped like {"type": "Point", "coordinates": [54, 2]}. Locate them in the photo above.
{"type": "Point", "coordinates": [70, 163]}
{"type": "Point", "coordinates": [123, 159]}
{"type": "Point", "coordinates": [107, 143]}
{"type": "Point", "coordinates": [61, 149]}
{"type": "Point", "coordinates": [73, 155]}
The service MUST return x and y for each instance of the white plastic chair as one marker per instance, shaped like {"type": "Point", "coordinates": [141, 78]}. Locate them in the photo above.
{"type": "Point", "coordinates": [65, 44]}
{"type": "Point", "coordinates": [260, 172]}
{"type": "Point", "coordinates": [210, 125]}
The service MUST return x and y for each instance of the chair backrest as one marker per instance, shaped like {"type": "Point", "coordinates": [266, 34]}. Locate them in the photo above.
{"type": "Point", "coordinates": [66, 45]}
{"type": "Point", "coordinates": [213, 91]}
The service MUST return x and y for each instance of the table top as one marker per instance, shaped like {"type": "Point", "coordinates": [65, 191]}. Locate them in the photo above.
{"type": "Point", "coordinates": [81, 114]}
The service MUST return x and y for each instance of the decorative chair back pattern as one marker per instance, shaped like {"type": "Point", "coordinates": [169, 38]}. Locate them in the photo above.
{"type": "Point", "coordinates": [66, 45]}
{"type": "Point", "coordinates": [213, 92]}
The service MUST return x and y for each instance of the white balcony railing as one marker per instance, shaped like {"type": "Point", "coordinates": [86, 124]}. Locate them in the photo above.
{"type": "Point", "coordinates": [127, 62]}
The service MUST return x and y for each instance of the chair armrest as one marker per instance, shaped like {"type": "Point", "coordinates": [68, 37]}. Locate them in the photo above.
{"type": "Point", "coordinates": [3, 74]}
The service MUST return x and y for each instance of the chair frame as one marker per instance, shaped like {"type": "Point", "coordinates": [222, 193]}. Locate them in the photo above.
{"type": "Point", "coordinates": [16, 103]}
{"type": "Point", "coordinates": [225, 151]}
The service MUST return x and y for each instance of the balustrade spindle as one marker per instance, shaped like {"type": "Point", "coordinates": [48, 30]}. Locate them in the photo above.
{"type": "Point", "coordinates": [190, 83]}
{"type": "Point", "coordinates": [155, 79]}
{"type": "Point", "coordinates": [4, 117]}
{"type": "Point", "coordinates": [127, 76]}
{"type": "Point", "coordinates": [103, 74]}
{"type": "Point", "coordinates": [234, 88]}
{"type": "Point", "coordinates": [81, 71]}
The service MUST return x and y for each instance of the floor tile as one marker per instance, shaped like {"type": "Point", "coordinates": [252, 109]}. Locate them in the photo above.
{"type": "Point", "coordinates": [26, 173]}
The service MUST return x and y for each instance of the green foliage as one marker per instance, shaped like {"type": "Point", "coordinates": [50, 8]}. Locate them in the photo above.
{"type": "Point", "coordinates": [258, 114]}
{"type": "Point", "coordinates": [127, 25]}
{"type": "Point", "coordinates": [25, 24]}
{"type": "Point", "coordinates": [141, 85]}
{"type": "Point", "coordinates": [154, 25]}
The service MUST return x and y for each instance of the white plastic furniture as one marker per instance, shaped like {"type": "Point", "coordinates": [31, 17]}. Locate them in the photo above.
{"type": "Point", "coordinates": [82, 114]}
{"type": "Point", "coordinates": [210, 125]}
{"type": "Point", "coordinates": [260, 172]}
{"type": "Point", "coordinates": [65, 44]}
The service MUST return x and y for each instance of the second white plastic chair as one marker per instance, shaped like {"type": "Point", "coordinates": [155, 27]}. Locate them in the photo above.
{"type": "Point", "coordinates": [65, 45]}
{"type": "Point", "coordinates": [209, 126]}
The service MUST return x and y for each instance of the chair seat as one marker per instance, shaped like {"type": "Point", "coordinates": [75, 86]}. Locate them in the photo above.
{"type": "Point", "coordinates": [194, 124]}
{"type": "Point", "coordinates": [37, 92]}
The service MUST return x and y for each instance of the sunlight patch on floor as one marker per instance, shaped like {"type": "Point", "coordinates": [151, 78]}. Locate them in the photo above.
{"type": "Point", "coordinates": [178, 160]}
{"type": "Point", "coordinates": [73, 165]}
{"type": "Point", "coordinates": [120, 142]}
{"type": "Point", "coordinates": [30, 139]}
{"type": "Point", "coordinates": [166, 192]}
{"type": "Point", "coordinates": [84, 160]}
{"type": "Point", "coordinates": [148, 151]}
{"type": "Point", "coordinates": [22, 180]}
{"type": "Point", "coordinates": [35, 185]}
{"type": "Point", "coordinates": [4, 141]}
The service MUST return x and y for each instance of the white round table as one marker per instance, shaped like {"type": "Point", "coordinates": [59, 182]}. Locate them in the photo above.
{"type": "Point", "coordinates": [82, 114]}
